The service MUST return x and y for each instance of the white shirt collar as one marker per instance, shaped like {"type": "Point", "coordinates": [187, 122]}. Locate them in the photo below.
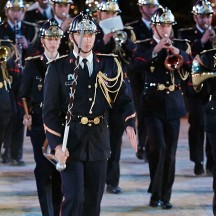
{"type": "Point", "coordinates": [48, 59]}
{"type": "Point", "coordinates": [147, 23]}
{"type": "Point", "coordinates": [157, 40]}
{"type": "Point", "coordinates": [201, 30]}
{"type": "Point", "coordinates": [59, 21]}
{"type": "Point", "coordinates": [89, 62]}
{"type": "Point", "coordinates": [12, 25]}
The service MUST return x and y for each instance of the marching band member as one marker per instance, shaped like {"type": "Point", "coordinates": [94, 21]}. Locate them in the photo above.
{"type": "Point", "coordinates": [22, 35]}
{"type": "Point", "coordinates": [163, 101]}
{"type": "Point", "coordinates": [202, 37]}
{"type": "Point", "coordinates": [84, 85]}
{"type": "Point", "coordinates": [203, 79]}
{"type": "Point", "coordinates": [142, 30]}
{"type": "Point", "coordinates": [48, 179]}
{"type": "Point", "coordinates": [116, 43]}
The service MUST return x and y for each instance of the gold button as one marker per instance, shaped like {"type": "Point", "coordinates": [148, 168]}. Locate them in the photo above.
{"type": "Point", "coordinates": [167, 82]}
{"type": "Point", "coordinates": [90, 99]}
{"type": "Point", "coordinates": [89, 86]}
{"type": "Point", "coordinates": [167, 72]}
{"type": "Point", "coordinates": [90, 112]}
{"type": "Point", "coordinates": [89, 124]}
{"type": "Point", "coordinates": [1, 85]}
{"type": "Point", "coordinates": [212, 108]}
{"type": "Point", "coordinates": [167, 92]}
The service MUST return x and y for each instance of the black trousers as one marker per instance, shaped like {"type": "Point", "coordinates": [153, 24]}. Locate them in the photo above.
{"type": "Point", "coordinates": [83, 186]}
{"type": "Point", "coordinates": [163, 137]}
{"type": "Point", "coordinates": [196, 132]}
{"type": "Point", "coordinates": [116, 124]}
{"type": "Point", "coordinates": [47, 178]}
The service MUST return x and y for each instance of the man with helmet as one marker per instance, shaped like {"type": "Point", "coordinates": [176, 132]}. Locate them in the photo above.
{"type": "Point", "coordinates": [47, 177]}
{"type": "Point", "coordinates": [202, 37]}
{"type": "Point", "coordinates": [142, 30]}
{"type": "Point", "coordinates": [61, 9]}
{"type": "Point", "coordinates": [163, 103]}
{"type": "Point", "coordinates": [22, 35]}
{"type": "Point", "coordinates": [108, 43]}
{"type": "Point", "coordinates": [84, 85]}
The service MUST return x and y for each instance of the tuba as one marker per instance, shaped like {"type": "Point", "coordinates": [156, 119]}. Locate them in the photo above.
{"type": "Point", "coordinates": [201, 71]}
{"type": "Point", "coordinates": [173, 61]}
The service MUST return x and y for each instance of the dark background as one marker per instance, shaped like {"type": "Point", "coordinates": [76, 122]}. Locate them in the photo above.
{"type": "Point", "coordinates": [180, 8]}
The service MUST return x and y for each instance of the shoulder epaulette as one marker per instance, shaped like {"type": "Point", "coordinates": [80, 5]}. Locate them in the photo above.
{"type": "Point", "coordinates": [185, 29]}
{"type": "Point", "coordinates": [142, 41]}
{"type": "Point", "coordinates": [131, 23]}
{"type": "Point", "coordinates": [32, 57]}
{"type": "Point", "coordinates": [31, 24]}
{"type": "Point", "coordinates": [183, 40]}
{"type": "Point", "coordinates": [110, 55]}
{"type": "Point", "coordinates": [60, 57]}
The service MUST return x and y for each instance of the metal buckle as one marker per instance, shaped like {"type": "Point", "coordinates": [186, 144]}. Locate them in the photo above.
{"type": "Point", "coordinates": [84, 120]}
{"type": "Point", "coordinates": [171, 88]}
{"type": "Point", "coordinates": [161, 87]}
{"type": "Point", "coordinates": [96, 120]}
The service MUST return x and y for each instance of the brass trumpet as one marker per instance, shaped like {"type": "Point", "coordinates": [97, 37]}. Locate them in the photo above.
{"type": "Point", "coordinates": [173, 61]}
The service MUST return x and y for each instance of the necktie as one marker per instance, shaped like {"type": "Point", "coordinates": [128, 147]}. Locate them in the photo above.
{"type": "Point", "coordinates": [85, 68]}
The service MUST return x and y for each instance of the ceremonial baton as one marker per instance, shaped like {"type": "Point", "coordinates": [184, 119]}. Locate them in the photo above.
{"type": "Point", "coordinates": [61, 166]}
{"type": "Point", "coordinates": [25, 106]}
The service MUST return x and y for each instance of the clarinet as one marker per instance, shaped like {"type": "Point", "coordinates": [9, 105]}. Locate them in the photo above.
{"type": "Point", "coordinates": [18, 45]}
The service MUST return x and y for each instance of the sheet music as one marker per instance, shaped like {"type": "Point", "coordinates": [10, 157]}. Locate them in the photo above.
{"type": "Point", "coordinates": [111, 24]}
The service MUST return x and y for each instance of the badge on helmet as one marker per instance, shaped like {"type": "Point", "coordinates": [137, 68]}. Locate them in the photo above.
{"type": "Point", "coordinates": [51, 29]}
{"type": "Point", "coordinates": [62, 1]}
{"type": "Point", "coordinates": [110, 6]}
{"type": "Point", "coordinates": [163, 16]}
{"type": "Point", "coordinates": [15, 4]}
{"type": "Point", "coordinates": [202, 7]}
{"type": "Point", "coordinates": [148, 2]}
{"type": "Point", "coordinates": [83, 22]}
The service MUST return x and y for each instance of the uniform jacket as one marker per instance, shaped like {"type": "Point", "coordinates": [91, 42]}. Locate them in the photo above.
{"type": "Point", "coordinates": [208, 82]}
{"type": "Point", "coordinates": [84, 142]}
{"type": "Point", "coordinates": [6, 32]}
{"type": "Point", "coordinates": [34, 16]}
{"type": "Point", "coordinates": [165, 104]}
{"type": "Point", "coordinates": [194, 36]}
{"type": "Point", "coordinates": [32, 86]}
{"type": "Point", "coordinates": [140, 29]}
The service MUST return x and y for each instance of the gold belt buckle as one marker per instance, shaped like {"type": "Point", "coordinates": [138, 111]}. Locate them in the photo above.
{"type": "Point", "coordinates": [1, 85]}
{"type": "Point", "coordinates": [84, 120]}
{"type": "Point", "coordinates": [171, 88]}
{"type": "Point", "coordinates": [161, 87]}
{"type": "Point", "coordinates": [96, 120]}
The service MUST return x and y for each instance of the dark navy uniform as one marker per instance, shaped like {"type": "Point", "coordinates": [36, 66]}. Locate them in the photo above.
{"type": "Point", "coordinates": [196, 102]}
{"type": "Point", "coordinates": [142, 32]}
{"type": "Point", "coordinates": [33, 16]}
{"type": "Point", "coordinates": [47, 177]}
{"type": "Point", "coordinates": [208, 81]}
{"type": "Point", "coordinates": [16, 140]}
{"type": "Point", "coordinates": [116, 121]}
{"type": "Point", "coordinates": [8, 88]}
{"type": "Point", "coordinates": [163, 107]}
{"type": "Point", "coordinates": [88, 144]}
{"type": "Point", "coordinates": [27, 30]}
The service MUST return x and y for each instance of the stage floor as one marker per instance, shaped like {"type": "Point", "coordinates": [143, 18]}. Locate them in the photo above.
{"type": "Point", "coordinates": [192, 195]}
